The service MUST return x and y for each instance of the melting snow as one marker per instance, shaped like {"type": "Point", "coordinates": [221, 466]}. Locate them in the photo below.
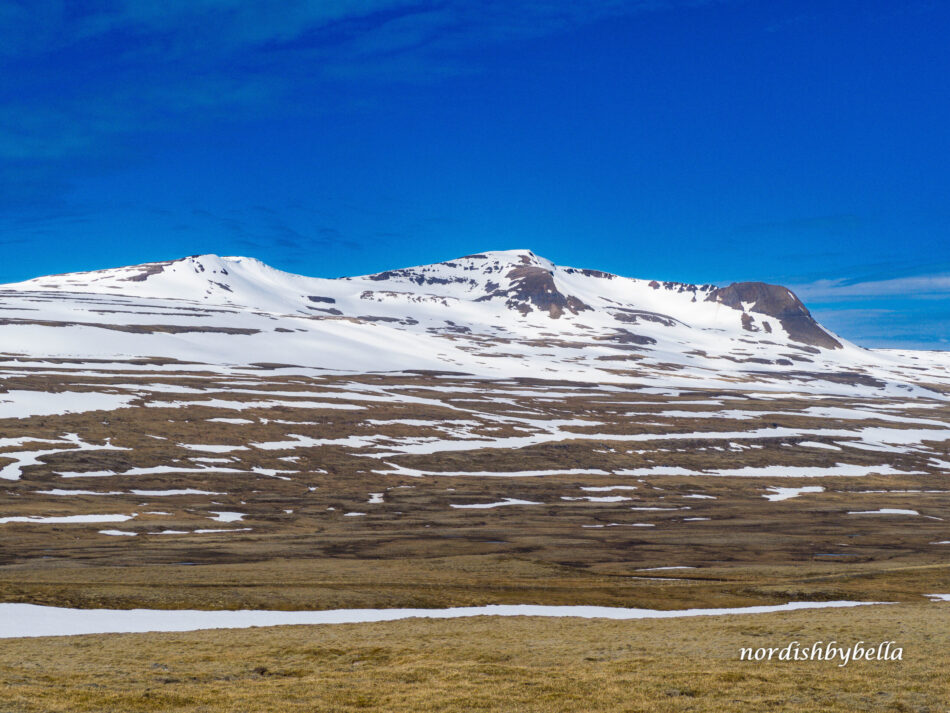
{"type": "Point", "coordinates": [884, 511]}
{"type": "Point", "coordinates": [67, 518]}
{"type": "Point", "coordinates": [23, 404]}
{"type": "Point", "coordinates": [788, 493]}
{"type": "Point", "coordinates": [506, 501]}
{"type": "Point", "coordinates": [225, 516]}
{"type": "Point", "coordinates": [657, 569]}
{"type": "Point", "coordinates": [29, 620]}
{"type": "Point", "coordinates": [593, 489]}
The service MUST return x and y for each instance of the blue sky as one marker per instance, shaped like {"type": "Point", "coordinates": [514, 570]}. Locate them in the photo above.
{"type": "Point", "coordinates": [797, 142]}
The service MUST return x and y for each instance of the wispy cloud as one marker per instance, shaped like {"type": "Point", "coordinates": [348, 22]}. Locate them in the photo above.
{"type": "Point", "coordinates": [837, 290]}
{"type": "Point", "coordinates": [143, 63]}
{"type": "Point", "coordinates": [909, 326]}
{"type": "Point", "coordinates": [88, 83]}
{"type": "Point", "coordinates": [903, 312]}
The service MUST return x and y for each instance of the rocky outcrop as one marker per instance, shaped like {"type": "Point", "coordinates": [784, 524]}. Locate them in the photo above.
{"type": "Point", "coordinates": [533, 285]}
{"type": "Point", "coordinates": [778, 302]}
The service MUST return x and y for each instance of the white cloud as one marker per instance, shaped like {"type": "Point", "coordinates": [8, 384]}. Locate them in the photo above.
{"type": "Point", "coordinates": [841, 289]}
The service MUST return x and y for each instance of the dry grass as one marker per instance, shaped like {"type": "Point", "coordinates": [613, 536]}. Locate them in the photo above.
{"type": "Point", "coordinates": [465, 580]}
{"type": "Point", "coordinates": [491, 664]}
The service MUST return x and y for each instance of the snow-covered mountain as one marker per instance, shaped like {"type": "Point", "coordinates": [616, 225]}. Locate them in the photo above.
{"type": "Point", "coordinates": [506, 313]}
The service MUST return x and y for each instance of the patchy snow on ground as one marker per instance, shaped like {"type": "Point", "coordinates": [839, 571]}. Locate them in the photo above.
{"type": "Point", "coordinates": [884, 511]}
{"type": "Point", "coordinates": [212, 448]}
{"type": "Point", "coordinates": [501, 503]}
{"type": "Point", "coordinates": [153, 470]}
{"type": "Point", "coordinates": [22, 459]}
{"type": "Point", "coordinates": [817, 444]}
{"type": "Point", "coordinates": [243, 405]}
{"type": "Point", "coordinates": [66, 518]}
{"type": "Point", "coordinates": [225, 516]}
{"type": "Point", "coordinates": [23, 404]}
{"type": "Point", "coordinates": [657, 569]}
{"type": "Point", "coordinates": [779, 494]}
{"type": "Point", "coordinates": [31, 620]}
{"type": "Point", "coordinates": [147, 493]}
{"type": "Point", "coordinates": [788, 471]}
{"type": "Point", "coordinates": [235, 529]}
{"type": "Point", "coordinates": [607, 488]}
{"type": "Point", "coordinates": [199, 532]}
{"type": "Point", "coordinates": [412, 472]}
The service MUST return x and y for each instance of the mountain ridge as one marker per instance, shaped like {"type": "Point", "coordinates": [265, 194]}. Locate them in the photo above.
{"type": "Point", "coordinates": [499, 313]}
{"type": "Point", "coordinates": [532, 285]}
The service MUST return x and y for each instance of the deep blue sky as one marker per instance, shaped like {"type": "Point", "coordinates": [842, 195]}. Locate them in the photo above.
{"type": "Point", "coordinates": [801, 142]}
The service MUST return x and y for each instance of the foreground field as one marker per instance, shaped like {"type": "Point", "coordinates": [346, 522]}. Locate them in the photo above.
{"type": "Point", "coordinates": [492, 664]}
{"type": "Point", "coordinates": [183, 486]}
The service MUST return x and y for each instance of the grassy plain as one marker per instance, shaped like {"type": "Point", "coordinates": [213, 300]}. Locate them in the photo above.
{"type": "Point", "coordinates": [492, 664]}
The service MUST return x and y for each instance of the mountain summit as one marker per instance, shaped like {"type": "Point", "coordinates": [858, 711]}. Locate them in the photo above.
{"type": "Point", "coordinates": [517, 279]}
{"type": "Point", "coordinates": [508, 313]}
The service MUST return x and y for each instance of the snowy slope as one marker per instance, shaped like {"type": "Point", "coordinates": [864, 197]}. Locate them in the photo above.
{"type": "Point", "coordinates": [507, 313]}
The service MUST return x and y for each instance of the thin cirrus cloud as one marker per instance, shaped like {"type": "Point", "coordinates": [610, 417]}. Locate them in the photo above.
{"type": "Point", "coordinates": [921, 286]}
{"type": "Point", "coordinates": [139, 68]}
{"type": "Point", "coordinates": [911, 312]}
{"type": "Point", "coordinates": [155, 49]}
{"type": "Point", "coordinates": [916, 325]}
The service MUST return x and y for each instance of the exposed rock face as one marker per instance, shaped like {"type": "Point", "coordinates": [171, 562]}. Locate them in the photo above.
{"type": "Point", "coordinates": [419, 279]}
{"type": "Point", "coordinates": [533, 285]}
{"type": "Point", "coordinates": [590, 273]}
{"type": "Point", "coordinates": [634, 316]}
{"type": "Point", "coordinates": [778, 302]}
{"type": "Point", "coordinates": [623, 336]}
{"type": "Point", "coordinates": [149, 269]}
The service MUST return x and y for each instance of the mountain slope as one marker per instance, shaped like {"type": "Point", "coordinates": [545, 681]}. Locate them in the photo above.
{"type": "Point", "coordinates": [506, 313]}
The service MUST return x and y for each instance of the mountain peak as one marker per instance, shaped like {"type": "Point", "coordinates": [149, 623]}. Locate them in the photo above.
{"type": "Point", "coordinates": [506, 312]}
{"type": "Point", "coordinates": [512, 257]}
{"type": "Point", "coordinates": [514, 291]}
{"type": "Point", "coordinates": [521, 278]}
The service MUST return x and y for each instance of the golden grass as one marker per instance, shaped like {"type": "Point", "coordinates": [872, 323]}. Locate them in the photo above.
{"type": "Point", "coordinates": [468, 580]}
{"type": "Point", "coordinates": [491, 664]}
